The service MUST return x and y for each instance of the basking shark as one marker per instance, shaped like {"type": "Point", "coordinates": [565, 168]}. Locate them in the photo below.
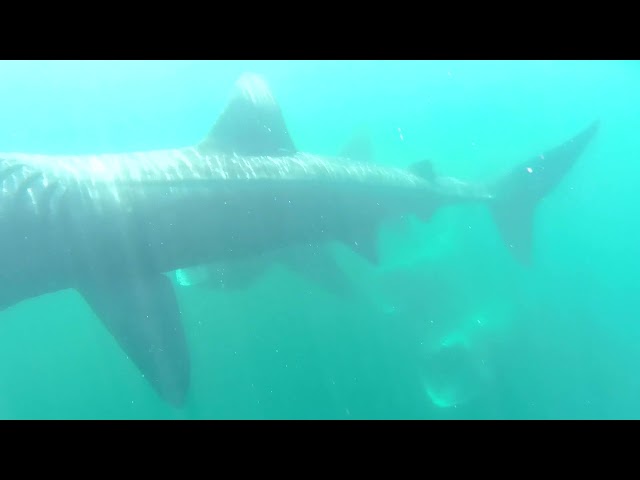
{"type": "Point", "coordinates": [111, 226]}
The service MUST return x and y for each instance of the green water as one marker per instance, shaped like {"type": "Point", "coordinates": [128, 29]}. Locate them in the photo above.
{"type": "Point", "coordinates": [448, 325]}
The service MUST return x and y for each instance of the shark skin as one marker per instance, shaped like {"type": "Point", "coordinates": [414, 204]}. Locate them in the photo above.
{"type": "Point", "coordinates": [111, 226]}
{"type": "Point", "coordinates": [314, 262]}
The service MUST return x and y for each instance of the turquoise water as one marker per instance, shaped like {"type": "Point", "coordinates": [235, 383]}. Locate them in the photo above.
{"type": "Point", "coordinates": [447, 326]}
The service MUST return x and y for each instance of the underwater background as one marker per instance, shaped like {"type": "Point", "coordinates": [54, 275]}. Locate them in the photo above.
{"type": "Point", "coordinates": [447, 326]}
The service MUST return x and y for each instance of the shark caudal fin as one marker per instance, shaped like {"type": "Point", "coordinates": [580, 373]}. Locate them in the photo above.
{"type": "Point", "coordinates": [517, 194]}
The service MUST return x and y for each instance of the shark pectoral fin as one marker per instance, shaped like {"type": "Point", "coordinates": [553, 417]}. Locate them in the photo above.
{"type": "Point", "coordinates": [142, 314]}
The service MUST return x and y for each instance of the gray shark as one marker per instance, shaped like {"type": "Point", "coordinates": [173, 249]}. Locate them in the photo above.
{"type": "Point", "coordinates": [112, 225]}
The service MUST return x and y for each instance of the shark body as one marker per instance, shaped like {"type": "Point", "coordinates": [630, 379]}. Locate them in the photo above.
{"type": "Point", "coordinates": [112, 225]}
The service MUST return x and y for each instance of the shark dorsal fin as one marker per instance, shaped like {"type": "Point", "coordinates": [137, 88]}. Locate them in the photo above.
{"type": "Point", "coordinates": [359, 147]}
{"type": "Point", "coordinates": [251, 124]}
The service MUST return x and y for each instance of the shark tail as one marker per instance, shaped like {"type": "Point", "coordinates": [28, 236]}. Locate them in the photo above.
{"type": "Point", "coordinates": [517, 194]}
